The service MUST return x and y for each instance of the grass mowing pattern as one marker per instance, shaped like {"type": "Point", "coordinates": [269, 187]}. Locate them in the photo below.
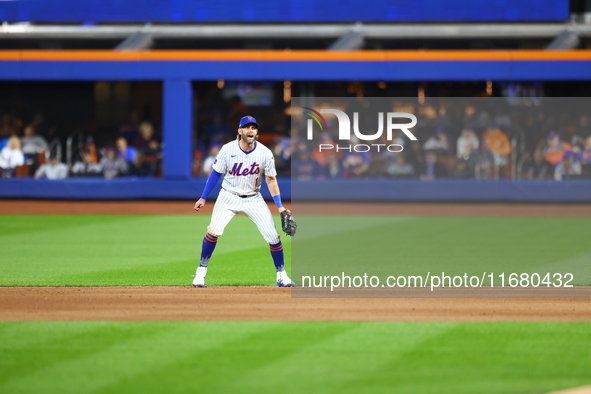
{"type": "Point", "coordinates": [71, 250]}
{"type": "Point", "coordinates": [163, 250]}
{"type": "Point", "coordinates": [347, 357]}
{"type": "Point", "coordinates": [395, 245]}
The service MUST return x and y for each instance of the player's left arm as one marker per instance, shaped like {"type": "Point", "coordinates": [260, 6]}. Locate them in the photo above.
{"type": "Point", "coordinates": [274, 190]}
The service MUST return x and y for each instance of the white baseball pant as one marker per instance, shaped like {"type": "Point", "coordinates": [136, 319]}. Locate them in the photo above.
{"type": "Point", "coordinates": [228, 205]}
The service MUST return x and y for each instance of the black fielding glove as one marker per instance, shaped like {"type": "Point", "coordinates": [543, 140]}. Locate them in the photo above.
{"type": "Point", "coordinates": [288, 224]}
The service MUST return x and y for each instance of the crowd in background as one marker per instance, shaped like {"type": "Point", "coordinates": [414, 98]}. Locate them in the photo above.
{"type": "Point", "coordinates": [134, 152]}
{"type": "Point", "coordinates": [465, 142]}
{"type": "Point", "coordinates": [484, 143]}
{"type": "Point", "coordinates": [460, 142]}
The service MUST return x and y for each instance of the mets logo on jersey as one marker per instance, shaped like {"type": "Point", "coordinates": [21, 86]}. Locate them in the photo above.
{"type": "Point", "coordinates": [254, 169]}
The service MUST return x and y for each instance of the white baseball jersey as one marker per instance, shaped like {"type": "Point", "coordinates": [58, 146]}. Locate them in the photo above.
{"type": "Point", "coordinates": [243, 171]}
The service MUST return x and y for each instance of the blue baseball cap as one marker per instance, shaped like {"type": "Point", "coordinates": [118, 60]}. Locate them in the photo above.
{"type": "Point", "coordinates": [246, 120]}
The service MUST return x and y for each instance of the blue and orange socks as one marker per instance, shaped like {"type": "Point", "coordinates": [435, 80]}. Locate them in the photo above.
{"type": "Point", "coordinates": [277, 254]}
{"type": "Point", "coordinates": [209, 242]}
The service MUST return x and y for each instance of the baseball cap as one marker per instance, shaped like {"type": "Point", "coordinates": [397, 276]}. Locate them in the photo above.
{"type": "Point", "coordinates": [552, 134]}
{"type": "Point", "coordinates": [246, 120]}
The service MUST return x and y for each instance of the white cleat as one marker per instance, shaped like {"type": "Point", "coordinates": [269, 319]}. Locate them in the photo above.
{"type": "Point", "coordinates": [283, 280]}
{"type": "Point", "coordinates": [199, 280]}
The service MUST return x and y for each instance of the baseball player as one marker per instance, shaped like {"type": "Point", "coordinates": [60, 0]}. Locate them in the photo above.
{"type": "Point", "coordinates": [242, 164]}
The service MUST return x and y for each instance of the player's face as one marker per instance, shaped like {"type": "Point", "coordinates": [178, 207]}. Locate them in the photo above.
{"type": "Point", "coordinates": [248, 133]}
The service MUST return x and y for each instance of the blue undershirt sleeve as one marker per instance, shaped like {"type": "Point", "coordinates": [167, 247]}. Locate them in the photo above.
{"type": "Point", "coordinates": [213, 179]}
{"type": "Point", "coordinates": [277, 200]}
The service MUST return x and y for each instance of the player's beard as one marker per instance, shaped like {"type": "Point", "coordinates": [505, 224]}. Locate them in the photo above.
{"type": "Point", "coordinates": [244, 138]}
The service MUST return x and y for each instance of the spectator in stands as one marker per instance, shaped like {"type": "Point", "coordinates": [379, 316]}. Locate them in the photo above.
{"type": "Point", "coordinates": [585, 158]}
{"type": "Point", "coordinates": [535, 167]}
{"type": "Point", "coordinates": [112, 165]}
{"type": "Point", "coordinates": [90, 147]}
{"type": "Point", "coordinates": [304, 168]}
{"type": "Point", "coordinates": [583, 130]}
{"type": "Point", "coordinates": [432, 169]}
{"type": "Point", "coordinates": [499, 144]}
{"type": "Point", "coordinates": [210, 159]}
{"type": "Point", "coordinates": [438, 142]}
{"type": "Point", "coordinates": [145, 141]}
{"type": "Point", "coordinates": [32, 145]}
{"type": "Point", "coordinates": [399, 168]}
{"type": "Point", "coordinates": [467, 143]}
{"type": "Point", "coordinates": [140, 167]}
{"type": "Point", "coordinates": [322, 157]}
{"type": "Point", "coordinates": [86, 167]}
{"type": "Point", "coordinates": [568, 168]}
{"type": "Point", "coordinates": [124, 151]}
{"type": "Point", "coordinates": [53, 170]}
{"type": "Point", "coordinates": [586, 153]}
{"type": "Point", "coordinates": [11, 157]}
{"type": "Point", "coordinates": [334, 168]}
{"type": "Point", "coordinates": [554, 148]}
{"type": "Point", "coordinates": [356, 164]}
{"type": "Point", "coordinates": [481, 161]}
{"type": "Point", "coordinates": [461, 170]}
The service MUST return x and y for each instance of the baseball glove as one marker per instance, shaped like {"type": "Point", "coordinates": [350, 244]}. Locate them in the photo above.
{"type": "Point", "coordinates": [288, 225]}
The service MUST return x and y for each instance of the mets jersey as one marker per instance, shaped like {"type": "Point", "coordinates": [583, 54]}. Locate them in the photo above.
{"type": "Point", "coordinates": [243, 171]}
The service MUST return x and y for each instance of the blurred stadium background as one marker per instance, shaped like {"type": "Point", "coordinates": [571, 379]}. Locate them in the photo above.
{"type": "Point", "coordinates": [162, 84]}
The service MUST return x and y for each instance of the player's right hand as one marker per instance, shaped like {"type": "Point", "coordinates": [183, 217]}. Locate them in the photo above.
{"type": "Point", "coordinates": [199, 204]}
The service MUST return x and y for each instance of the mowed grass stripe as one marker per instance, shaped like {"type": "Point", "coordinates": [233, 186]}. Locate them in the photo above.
{"type": "Point", "coordinates": [348, 357]}
{"type": "Point", "coordinates": [92, 362]}
{"type": "Point", "coordinates": [131, 250]}
{"type": "Point", "coordinates": [344, 358]}
{"type": "Point", "coordinates": [164, 250]}
{"type": "Point", "coordinates": [454, 245]}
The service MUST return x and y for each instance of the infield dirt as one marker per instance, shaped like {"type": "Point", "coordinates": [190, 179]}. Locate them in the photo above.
{"type": "Point", "coordinates": [266, 304]}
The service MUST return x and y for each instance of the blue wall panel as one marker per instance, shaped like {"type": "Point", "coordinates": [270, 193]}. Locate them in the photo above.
{"type": "Point", "coordinates": [444, 190]}
{"type": "Point", "coordinates": [10, 70]}
{"type": "Point", "coordinates": [448, 70]}
{"type": "Point", "coordinates": [297, 70]}
{"type": "Point", "coordinates": [177, 112]}
{"type": "Point", "coordinates": [346, 190]}
{"type": "Point", "coordinates": [282, 11]}
{"type": "Point", "coordinates": [550, 70]}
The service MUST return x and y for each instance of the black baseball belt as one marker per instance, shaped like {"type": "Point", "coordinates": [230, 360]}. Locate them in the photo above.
{"type": "Point", "coordinates": [242, 195]}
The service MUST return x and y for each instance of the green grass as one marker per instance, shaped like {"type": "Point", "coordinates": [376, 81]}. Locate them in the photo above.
{"type": "Point", "coordinates": [343, 357]}
{"type": "Point", "coordinates": [117, 357]}
{"type": "Point", "coordinates": [71, 250]}
{"type": "Point", "coordinates": [164, 250]}
{"type": "Point", "coordinates": [398, 245]}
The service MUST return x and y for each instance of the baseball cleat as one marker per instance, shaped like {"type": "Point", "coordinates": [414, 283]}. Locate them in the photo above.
{"type": "Point", "coordinates": [199, 280]}
{"type": "Point", "coordinates": [283, 280]}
